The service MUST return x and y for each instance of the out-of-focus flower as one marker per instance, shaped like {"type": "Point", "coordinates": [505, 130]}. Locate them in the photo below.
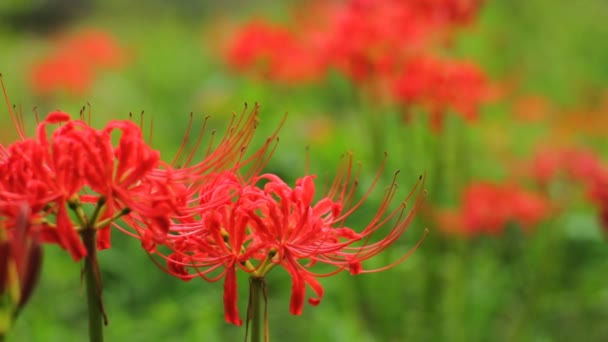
{"type": "Point", "coordinates": [366, 40]}
{"type": "Point", "coordinates": [273, 53]}
{"type": "Point", "coordinates": [75, 62]}
{"type": "Point", "coordinates": [63, 71]}
{"type": "Point", "coordinates": [442, 86]}
{"type": "Point", "coordinates": [98, 48]}
{"type": "Point", "coordinates": [258, 227]}
{"type": "Point", "coordinates": [581, 165]}
{"type": "Point", "coordinates": [487, 208]}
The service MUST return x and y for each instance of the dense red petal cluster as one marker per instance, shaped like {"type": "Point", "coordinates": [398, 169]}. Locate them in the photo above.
{"type": "Point", "coordinates": [74, 63]}
{"type": "Point", "coordinates": [75, 177]}
{"type": "Point", "coordinates": [385, 47]}
{"type": "Point", "coordinates": [74, 165]}
{"type": "Point", "coordinates": [214, 216]}
{"type": "Point", "coordinates": [360, 37]}
{"type": "Point", "coordinates": [487, 208]}
{"type": "Point", "coordinates": [263, 222]}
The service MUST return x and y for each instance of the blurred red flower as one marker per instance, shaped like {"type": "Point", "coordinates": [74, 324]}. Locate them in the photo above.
{"type": "Point", "coordinates": [75, 62]}
{"type": "Point", "coordinates": [273, 52]}
{"type": "Point", "coordinates": [579, 164]}
{"type": "Point", "coordinates": [366, 40]}
{"type": "Point", "coordinates": [62, 71]}
{"type": "Point", "coordinates": [98, 48]}
{"type": "Point", "coordinates": [442, 86]}
{"type": "Point", "coordinates": [487, 208]}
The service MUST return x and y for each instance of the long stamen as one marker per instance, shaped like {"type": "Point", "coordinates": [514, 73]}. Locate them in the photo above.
{"type": "Point", "coordinates": [14, 117]}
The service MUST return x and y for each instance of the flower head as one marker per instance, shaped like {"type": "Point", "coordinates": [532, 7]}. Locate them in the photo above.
{"type": "Point", "coordinates": [75, 62]}
{"type": "Point", "coordinates": [78, 165]}
{"type": "Point", "coordinates": [487, 208]}
{"type": "Point", "coordinates": [266, 223]}
{"type": "Point", "coordinates": [441, 86]}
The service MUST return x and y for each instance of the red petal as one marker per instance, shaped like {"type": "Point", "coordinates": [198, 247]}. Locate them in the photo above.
{"type": "Point", "coordinates": [231, 311]}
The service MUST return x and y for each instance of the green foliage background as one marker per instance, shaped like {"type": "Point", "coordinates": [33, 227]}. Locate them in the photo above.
{"type": "Point", "coordinates": [549, 285]}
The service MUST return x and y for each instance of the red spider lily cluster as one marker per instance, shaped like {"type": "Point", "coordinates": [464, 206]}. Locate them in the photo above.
{"type": "Point", "coordinates": [255, 227]}
{"type": "Point", "coordinates": [214, 216]}
{"type": "Point", "coordinates": [380, 45]}
{"type": "Point", "coordinates": [578, 165]}
{"type": "Point", "coordinates": [487, 208]}
{"type": "Point", "coordinates": [78, 165]}
{"type": "Point", "coordinates": [75, 62]}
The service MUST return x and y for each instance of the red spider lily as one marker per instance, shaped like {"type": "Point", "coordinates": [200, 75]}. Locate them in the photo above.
{"type": "Point", "coordinates": [442, 86]}
{"type": "Point", "coordinates": [77, 164]}
{"type": "Point", "coordinates": [75, 63]}
{"type": "Point", "coordinates": [191, 181]}
{"type": "Point", "coordinates": [229, 153]}
{"type": "Point", "coordinates": [365, 37]}
{"type": "Point", "coordinates": [63, 71]}
{"type": "Point", "coordinates": [255, 229]}
{"type": "Point", "coordinates": [582, 166]}
{"type": "Point", "coordinates": [98, 48]}
{"type": "Point", "coordinates": [274, 53]}
{"type": "Point", "coordinates": [20, 263]}
{"type": "Point", "coordinates": [578, 164]}
{"type": "Point", "coordinates": [367, 40]}
{"type": "Point", "coordinates": [487, 209]}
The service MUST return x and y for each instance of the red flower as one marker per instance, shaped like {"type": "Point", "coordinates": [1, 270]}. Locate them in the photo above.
{"type": "Point", "coordinates": [578, 164]}
{"type": "Point", "coordinates": [442, 86]}
{"type": "Point", "coordinates": [256, 229]}
{"type": "Point", "coordinates": [274, 53]}
{"type": "Point", "coordinates": [63, 71]}
{"type": "Point", "coordinates": [487, 209]}
{"type": "Point", "coordinates": [366, 40]}
{"type": "Point", "coordinates": [75, 63]}
{"type": "Point", "coordinates": [78, 165]}
{"type": "Point", "coordinates": [98, 48]}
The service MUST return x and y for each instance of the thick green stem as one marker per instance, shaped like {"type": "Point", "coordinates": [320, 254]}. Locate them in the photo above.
{"type": "Point", "coordinates": [93, 284]}
{"type": "Point", "coordinates": [257, 310]}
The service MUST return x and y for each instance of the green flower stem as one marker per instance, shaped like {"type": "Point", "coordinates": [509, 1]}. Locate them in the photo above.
{"type": "Point", "coordinates": [255, 314]}
{"type": "Point", "coordinates": [93, 284]}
